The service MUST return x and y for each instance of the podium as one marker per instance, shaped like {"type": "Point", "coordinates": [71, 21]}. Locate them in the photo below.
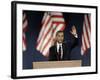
{"type": "Point", "coordinates": [57, 64]}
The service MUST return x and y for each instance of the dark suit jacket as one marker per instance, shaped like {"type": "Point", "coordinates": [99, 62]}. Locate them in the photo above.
{"type": "Point", "coordinates": [67, 47]}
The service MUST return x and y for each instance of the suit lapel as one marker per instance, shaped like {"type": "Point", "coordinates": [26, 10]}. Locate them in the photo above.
{"type": "Point", "coordinates": [63, 46]}
{"type": "Point", "coordinates": [55, 49]}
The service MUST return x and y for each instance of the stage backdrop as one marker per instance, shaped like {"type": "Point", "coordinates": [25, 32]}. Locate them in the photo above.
{"type": "Point", "coordinates": [33, 22]}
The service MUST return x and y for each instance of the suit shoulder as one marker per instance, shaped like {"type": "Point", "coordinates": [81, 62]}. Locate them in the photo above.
{"type": "Point", "coordinates": [52, 47]}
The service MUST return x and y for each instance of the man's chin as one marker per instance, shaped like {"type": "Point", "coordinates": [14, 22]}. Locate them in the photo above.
{"type": "Point", "coordinates": [60, 42]}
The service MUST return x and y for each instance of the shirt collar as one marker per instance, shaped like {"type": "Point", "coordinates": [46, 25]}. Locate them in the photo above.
{"type": "Point", "coordinates": [59, 44]}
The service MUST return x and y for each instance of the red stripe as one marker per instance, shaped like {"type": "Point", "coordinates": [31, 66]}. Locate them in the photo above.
{"type": "Point", "coordinates": [56, 22]}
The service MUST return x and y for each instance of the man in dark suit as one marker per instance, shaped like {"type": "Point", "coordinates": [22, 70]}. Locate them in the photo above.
{"type": "Point", "coordinates": [60, 50]}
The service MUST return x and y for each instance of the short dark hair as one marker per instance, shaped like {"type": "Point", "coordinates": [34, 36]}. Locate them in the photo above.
{"type": "Point", "coordinates": [59, 32]}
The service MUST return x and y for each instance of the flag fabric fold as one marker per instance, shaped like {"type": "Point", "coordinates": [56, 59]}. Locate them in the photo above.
{"type": "Point", "coordinates": [86, 35]}
{"type": "Point", "coordinates": [24, 28]}
{"type": "Point", "coordinates": [51, 23]}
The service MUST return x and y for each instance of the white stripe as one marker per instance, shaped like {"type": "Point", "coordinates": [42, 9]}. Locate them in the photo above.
{"type": "Point", "coordinates": [58, 19]}
{"type": "Point", "coordinates": [25, 24]}
{"type": "Point", "coordinates": [24, 45]}
{"type": "Point", "coordinates": [83, 43]}
{"type": "Point", "coordinates": [82, 52]}
{"type": "Point", "coordinates": [46, 49]}
{"type": "Point", "coordinates": [83, 48]}
{"type": "Point", "coordinates": [24, 48]}
{"type": "Point", "coordinates": [24, 16]}
{"type": "Point", "coordinates": [57, 13]}
{"type": "Point", "coordinates": [59, 27]}
{"type": "Point", "coordinates": [44, 17]}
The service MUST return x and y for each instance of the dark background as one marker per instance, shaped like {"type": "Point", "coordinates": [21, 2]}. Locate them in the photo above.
{"type": "Point", "coordinates": [34, 26]}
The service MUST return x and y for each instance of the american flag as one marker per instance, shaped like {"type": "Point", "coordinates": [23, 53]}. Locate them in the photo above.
{"type": "Point", "coordinates": [86, 35]}
{"type": "Point", "coordinates": [51, 23]}
{"type": "Point", "coordinates": [24, 27]}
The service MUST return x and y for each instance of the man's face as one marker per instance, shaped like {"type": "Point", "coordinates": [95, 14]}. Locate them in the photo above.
{"type": "Point", "coordinates": [60, 37]}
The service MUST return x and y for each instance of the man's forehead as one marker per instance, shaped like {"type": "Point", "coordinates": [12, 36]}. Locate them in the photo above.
{"type": "Point", "coordinates": [60, 33]}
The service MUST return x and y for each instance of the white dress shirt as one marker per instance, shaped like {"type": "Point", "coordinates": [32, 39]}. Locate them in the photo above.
{"type": "Point", "coordinates": [58, 45]}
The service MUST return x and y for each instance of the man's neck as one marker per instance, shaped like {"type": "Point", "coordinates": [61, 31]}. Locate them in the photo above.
{"type": "Point", "coordinates": [59, 43]}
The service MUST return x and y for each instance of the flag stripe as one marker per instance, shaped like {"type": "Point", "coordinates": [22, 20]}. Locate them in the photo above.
{"type": "Point", "coordinates": [83, 44]}
{"type": "Point", "coordinates": [44, 17]}
{"type": "Point", "coordinates": [57, 19]}
{"type": "Point", "coordinates": [24, 41]}
{"type": "Point", "coordinates": [24, 16]}
{"type": "Point", "coordinates": [25, 26]}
